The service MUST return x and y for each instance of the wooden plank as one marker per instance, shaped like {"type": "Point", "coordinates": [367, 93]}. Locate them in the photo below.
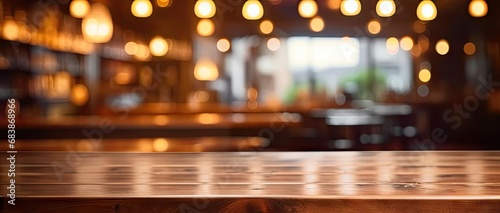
{"type": "Point", "coordinates": [451, 181]}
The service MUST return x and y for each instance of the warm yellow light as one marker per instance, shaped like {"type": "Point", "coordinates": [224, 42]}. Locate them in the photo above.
{"type": "Point", "coordinates": [350, 7]}
{"type": "Point", "coordinates": [123, 77]}
{"type": "Point", "coordinates": [205, 27]}
{"type": "Point", "coordinates": [333, 4]}
{"type": "Point", "coordinates": [469, 48]}
{"type": "Point", "coordinates": [223, 45]}
{"type": "Point", "coordinates": [209, 118]}
{"type": "Point", "coordinates": [164, 3]}
{"type": "Point", "coordinates": [317, 24]}
{"type": "Point", "coordinates": [385, 8]}
{"type": "Point", "coordinates": [79, 8]}
{"type": "Point", "coordinates": [204, 8]}
{"type": "Point", "coordinates": [160, 120]}
{"type": "Point", "coordinates": [424, 75]}
{"type": "Point", "coordinates": [266, 27]}
{"type": "Point", "coordinates": [142, 52]}
{"type": "Point", "coordinates": [273, 44]}
{"type": "Point", "coordinates": [97, 26]}
{"type": "Point", "coordinates": [442, 47]}
{"type": "Point", "coordinates": [10, 29]}
{"type": "Point", "coordinates": [426, 10]}
{"type": "Point", "coordinates": [158, 46]}
{"type": "Point", "coordinates": [79, 95]}
{"type": "Point", "coordinates": [252, 10]}
{"type": "Point", "coordinates": [392, 45]}
{"type": "Point", "coordinates": [131, 48]}
{"type": "Point", "coordinates": [406, 43]}
{"type": "Point", "coordinates": [141, 8]}
{"type": "Point", "coordinates": [374, 27]}
{"type": "Point", "coordinates": [308, 8]}
{"type": "Point", "coordinates": [478, 8]}
{"type": "Point", "coordinates": [160, 144]}
{"type": "Point", "coordinates": [206, 70]}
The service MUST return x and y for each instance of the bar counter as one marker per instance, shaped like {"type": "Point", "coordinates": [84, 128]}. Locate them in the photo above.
{"type": "Point", "coordinates": [452, 181]}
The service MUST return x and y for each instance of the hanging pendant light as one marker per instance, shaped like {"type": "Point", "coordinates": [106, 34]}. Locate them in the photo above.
{"type": "Point", "coordinates": [79, 8]}
{"type": "Point", "coordinates": [97, 26]}
{"type": "Point", "coordinates": [426, 10]}
{"type": "Point", "coordinates": [350, 7]}
{"type": "Point", "coordinates": [252, 10]}
{"type": "Point", "coordinates": [308, 8]}
{"type": "Point", "coordinates": [478, 8]}
{"type": "Point", "coordinates": [386, 8]}
{"type": "Point", "coordinates": [141, 8]}
{"type": "Point", "coordinates": [204, 9]}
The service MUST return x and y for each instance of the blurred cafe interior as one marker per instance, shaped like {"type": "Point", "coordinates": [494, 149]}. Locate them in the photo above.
{"type": "Point", "coordinates": [246, 75]}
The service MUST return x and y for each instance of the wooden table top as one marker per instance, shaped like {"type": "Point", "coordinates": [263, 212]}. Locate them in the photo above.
{"type": "Point", "coordinates": [453, 181]}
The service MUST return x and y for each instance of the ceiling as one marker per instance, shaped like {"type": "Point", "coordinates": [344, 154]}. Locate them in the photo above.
{"type": "Point", "coordinates": [178, 20]}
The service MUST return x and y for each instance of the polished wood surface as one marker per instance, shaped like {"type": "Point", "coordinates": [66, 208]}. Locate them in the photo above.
{"type": "Point", "coordinates": [257, 182]}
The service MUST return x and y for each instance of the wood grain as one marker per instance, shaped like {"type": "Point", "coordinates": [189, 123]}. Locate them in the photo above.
{"type": "Point", "coordinates": [465, 181]}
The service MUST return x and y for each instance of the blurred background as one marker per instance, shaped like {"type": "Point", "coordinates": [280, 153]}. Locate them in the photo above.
{"type": "Point", "coordinates": [238, 75]}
